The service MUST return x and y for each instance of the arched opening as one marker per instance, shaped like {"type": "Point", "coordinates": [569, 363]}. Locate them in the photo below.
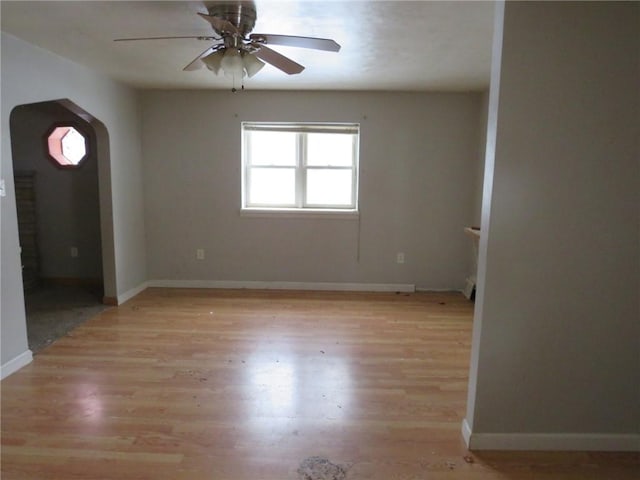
{"type": "Point", "coordinates": [59, 154]}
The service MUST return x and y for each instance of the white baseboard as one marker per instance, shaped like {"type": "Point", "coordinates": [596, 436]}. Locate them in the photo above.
{"type": "Point", "coordinates": [438, 290]}
{"type": "Point", "coordinates": [129, 294]}
{"type": "Point", "coordinates": [601, 442]}
{"type": "Point", "coordinates": [320, 286]}
{"type": "Point", "coordinates": [466, 433]}
{"type": "Point", "coordinates": [15, 364]}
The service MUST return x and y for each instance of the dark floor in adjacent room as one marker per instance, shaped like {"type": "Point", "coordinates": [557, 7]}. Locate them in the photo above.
{"type": "Point", "coordinates": [54, 310]}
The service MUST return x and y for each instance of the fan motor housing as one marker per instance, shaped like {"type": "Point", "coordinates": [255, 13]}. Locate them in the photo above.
{"type": "Point", "coordinates": [241, 14]}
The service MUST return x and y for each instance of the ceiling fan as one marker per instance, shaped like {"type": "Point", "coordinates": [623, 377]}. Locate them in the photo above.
{"type": "Point", "coordinates": [238, 52]}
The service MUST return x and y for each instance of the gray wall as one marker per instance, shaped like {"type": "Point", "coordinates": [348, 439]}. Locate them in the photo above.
{"type": "Point", "coordinates": [557, 330]}
{"type": "Point", "coordinates": [29, 75]}
{"type": "Point", "coordinates": [418, 164]}
{"type": "Point", "coordinates": [67, 200]}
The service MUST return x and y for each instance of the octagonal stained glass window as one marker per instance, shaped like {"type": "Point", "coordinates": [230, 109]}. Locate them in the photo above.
{"type": "Point", "coordinates": [67, 146]}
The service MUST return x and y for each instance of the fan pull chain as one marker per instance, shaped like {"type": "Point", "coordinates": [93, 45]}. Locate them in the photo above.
{"type": "Point", "coordinates": [233, 88]}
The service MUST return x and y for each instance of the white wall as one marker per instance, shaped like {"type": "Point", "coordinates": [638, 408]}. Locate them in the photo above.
{"type": "Point", "coordinates": [418, 158]}
{"type": "Point", "coordinates": [479, 179]}
{"type": "Point", "coordinates": [30, 74]}
{"type": "Point", "coordinates": [556, 332]}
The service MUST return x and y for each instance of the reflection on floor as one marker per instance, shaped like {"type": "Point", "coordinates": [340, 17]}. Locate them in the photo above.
{"type": "Point", "coordinates": [189, 384]}
{"type": "Point", "coordinates": [54, 310]}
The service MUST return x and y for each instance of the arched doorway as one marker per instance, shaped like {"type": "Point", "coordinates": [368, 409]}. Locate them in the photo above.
{"type": "Point", "coordinates": [57, 149]}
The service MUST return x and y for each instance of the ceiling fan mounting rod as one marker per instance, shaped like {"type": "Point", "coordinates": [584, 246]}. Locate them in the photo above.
{"type": "Point", "coordinates": [240, 14]}
{"type": "Point", "coordinates": [233, 41]}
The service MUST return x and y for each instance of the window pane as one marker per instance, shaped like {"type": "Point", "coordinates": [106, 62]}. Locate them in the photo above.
{"type": "Point", "coordinates": [272, 148]}
{"type": "Point", "coordinates": [272, 186]}
{"type": "Point", "coordinates": [329, 187]}
{"type": "Point", "coordinates": [329, 149]}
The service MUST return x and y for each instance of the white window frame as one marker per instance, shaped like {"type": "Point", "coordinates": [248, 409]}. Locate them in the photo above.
{"type": "Point", "coordinates": [301, 168]}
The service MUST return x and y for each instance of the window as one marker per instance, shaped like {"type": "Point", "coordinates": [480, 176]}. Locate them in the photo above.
{"type": "Point", "coordinates": [66, 146]}
{"type": "Point", "coordinates": [300, 166]}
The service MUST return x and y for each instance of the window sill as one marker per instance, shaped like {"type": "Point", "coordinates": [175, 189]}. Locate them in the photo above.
{"type": "Point", "coordinates": [316, 213]}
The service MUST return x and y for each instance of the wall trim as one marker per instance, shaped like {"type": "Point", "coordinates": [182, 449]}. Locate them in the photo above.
{"type": "Point", "coordinates": [111, 301]}
{"type": "Point", "coordinates": [15, 364]}
{"type": "Point", "coordinates": [602, 442]}
{"type": "Point", "coordinates": [129, 294]}
{"type": "Point", "coordinates": [438, 290]}
{"type": "Point", "coordinates": [257, 285]}
{"type": "Point", "coordinates": [466, 433]}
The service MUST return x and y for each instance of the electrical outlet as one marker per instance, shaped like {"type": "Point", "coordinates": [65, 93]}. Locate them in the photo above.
{"type": "Point", "coordinates": [400, 257]}
{"type": "Point", "coordinates": [74, 252]}
{"type": "Point", "coordinates": [200, 254]}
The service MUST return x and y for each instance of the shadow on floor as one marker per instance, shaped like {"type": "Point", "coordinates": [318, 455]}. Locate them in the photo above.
{"type": "Point", "coordinates": [55, 310]}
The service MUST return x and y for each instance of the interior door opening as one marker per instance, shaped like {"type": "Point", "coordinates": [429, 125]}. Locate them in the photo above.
{"type": "Point", "coordinates": [55, 163]}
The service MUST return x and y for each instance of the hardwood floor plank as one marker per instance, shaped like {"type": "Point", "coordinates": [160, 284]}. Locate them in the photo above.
{"type": "Point", "coordinates": [235, 385]}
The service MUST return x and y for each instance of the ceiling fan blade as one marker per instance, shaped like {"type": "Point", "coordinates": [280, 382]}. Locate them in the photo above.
{"type": "Point", "coordinates": [277, 60]}
{"type": "Point", "coordinates": [219, 24]}
{"type": "Point", "coordinates": [293, 41]}
{"type": "Point", "coordinates": [197, 37]}
{"type": "Point", "coordinates": [197, 62]}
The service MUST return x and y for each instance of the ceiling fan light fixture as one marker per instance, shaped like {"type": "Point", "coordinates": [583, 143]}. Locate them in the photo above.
{"type": "Point", "coordinates": [232, 63]}
{"type": "Point", "coordinates": [214, 61]}
{"type": "Point", "coordinates": [252, 64]}
{"type": "Point", "coordinates": [237, 52]}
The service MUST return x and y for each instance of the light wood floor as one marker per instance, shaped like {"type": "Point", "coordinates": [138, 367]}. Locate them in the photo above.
{"type": "Point", "coordinates": [246, 385]}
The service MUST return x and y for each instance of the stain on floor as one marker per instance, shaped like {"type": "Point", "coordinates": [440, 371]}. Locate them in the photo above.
{"type": "Point", "coordinates": [320, 468]}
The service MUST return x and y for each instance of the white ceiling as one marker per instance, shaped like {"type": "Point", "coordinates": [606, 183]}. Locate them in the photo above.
{"type": "Point", "coordinates": [386, 45]}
